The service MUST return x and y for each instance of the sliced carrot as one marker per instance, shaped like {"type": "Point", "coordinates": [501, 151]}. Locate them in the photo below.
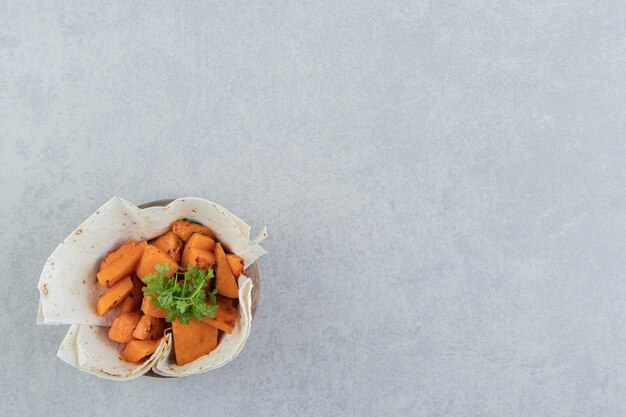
{"type": "Point", "coordinates": [133, 301]}
{"type": "Point", "coordinates": [225, 317]}
{"type": "Point", "coordinates": [153, 256]}
{"type": "Point", "coordinates": [193, 340]}
{"type": "Point", "coordinates": [236, 264]}
{"type": "Point", "coordinates": [170, 244]}
{"type": "Point", "coordinates": [123, 327]}
{"type": "Point", "coordinates": [142, 330]}
{"type": "Point", "coordinates": [114, 295]}
{"type": "Point", "coordinates": [221, 300]}
{"type": "Point", "coordinates": [122, 266]}
{"type": "Point", "coordinates": [200, 258]}
{"type": "Point", "coordinates": [149, 328]}
{"type": "Point", "coordinates": [150, 309]}
{"type": "Point", "coordinates": [114, 254]}
{"type": "Point", "coordinates": [225, 280]}
{"type": "Point", "coordinates": [199, 241]}
{"type": "Point", "coordinates": [185, 229]}
{"type": "Point", "coordinates": [136, 350]}
{"type": "Point", "coordinates": [157, 329]}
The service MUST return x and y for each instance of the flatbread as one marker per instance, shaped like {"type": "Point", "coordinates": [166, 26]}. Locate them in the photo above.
{"type": "Point", "coordinates": [100, 356]}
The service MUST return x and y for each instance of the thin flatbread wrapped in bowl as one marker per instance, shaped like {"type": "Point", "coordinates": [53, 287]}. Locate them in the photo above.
{"type": "Point", "coordinates": [89, 349]}
{"type": "Point", "coordinates": [67, 285]}
{"type": "Point", "coordinates": [69, 291]}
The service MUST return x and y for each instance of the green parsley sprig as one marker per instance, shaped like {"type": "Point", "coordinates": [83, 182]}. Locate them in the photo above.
{"type": "Point", "coordinates": [184, 299]}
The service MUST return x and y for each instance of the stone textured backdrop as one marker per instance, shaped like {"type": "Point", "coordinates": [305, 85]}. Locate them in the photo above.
{"type": "Point", "coordinates": [444, 185]}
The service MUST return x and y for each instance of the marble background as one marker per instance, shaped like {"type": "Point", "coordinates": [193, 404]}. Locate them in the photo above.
{"type": "Point", "coordinates": [444, 185]}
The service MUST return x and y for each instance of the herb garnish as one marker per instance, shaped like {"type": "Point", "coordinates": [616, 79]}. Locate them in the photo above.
{"type": "Point", "coordinates": [184, 299]}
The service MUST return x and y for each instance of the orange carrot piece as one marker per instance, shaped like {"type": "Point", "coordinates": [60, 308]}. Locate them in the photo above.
{"type": "Point", "coordinates": [122, 266]}
{"type": "Point", "coordinates": [198, 241]}
{"type": "Point", "coordinates": [193, 340]}
{"type": "Point", "coordinates": [142, 330]}
{"type": "Point", "coordinates": [149, 328]}
{"type": "Point", "coordinates": [236, 264]}
{"type": "Point", "coordinates": [185, 229]}
{"type": "Point", "coordinates": [114, 295]}
{"type": "Point", "coordinates": [150, 309]}
{"type": "Point", "coordinates": [225, 317]}
{"type": "Point", "coordinates": [114, 254]}
{"type": "Point", "coordinates": [123, 327]}
{"type": "Point", "coordinates": [133, 301]}
{"type": "Point", "coordinates": [136, 350]}
{"type": "Point", "coordinates": [221, 300]}
{"type": "Point", "coordinates": [170, 244]}
{"type": "Point", "coordinates": [153, 256]}
{"type": "Point", "coordinates": [200, 258]}
{"type": "Point", "coordinates": [225, 281]}
{"type": "Point", "coordinates": [158, 328]}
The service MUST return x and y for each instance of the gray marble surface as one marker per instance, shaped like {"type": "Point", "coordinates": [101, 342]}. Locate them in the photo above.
{"type": "Point", "coordinates": [444, 185]}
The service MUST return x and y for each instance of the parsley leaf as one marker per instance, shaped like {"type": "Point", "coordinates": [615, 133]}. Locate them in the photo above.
{"type": "Point", "coordinates": [184, 298]}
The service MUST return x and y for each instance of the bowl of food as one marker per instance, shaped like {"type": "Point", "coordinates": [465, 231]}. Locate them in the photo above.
{"type": "Point", "coordinates": [166, 288]}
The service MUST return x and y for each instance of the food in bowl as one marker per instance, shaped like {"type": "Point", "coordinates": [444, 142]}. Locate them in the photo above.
{"type": "Point", "coordinates": [130, 282]}
{"type": "Point", "coordinates": [182, 280]}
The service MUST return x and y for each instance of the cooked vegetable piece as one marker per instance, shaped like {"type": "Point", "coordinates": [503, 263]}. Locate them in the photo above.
{"type": "Point", "coordinates": [236, 264]}
{"type": "Point", "coordinates": [114, 295]}
{"type": "Point", "coordinates": [123, 327]}
{"type": "Point", "coordinates": [200, 258]}
{"type": "Point", "coordinates": [225, 281]}
{"type": "Point", "coordinates": [150, 309]}
{"type": "Point", "coordinates": [133, 301]}
{"type": "Point", "coordinates": [143, 328]}
{"type": "Point", "coordinates": [225, 317]}
{"type": "Point", "coordinates": [169, 243]}
{"type": "Point", "coordinates": [185, 229]}
{"type": "Point", "coordinates": [198, 241]}
{"type": "Point", "coordinates": [114, 254]}
{"type": "Point", "coordinates": [157, 329]}
{"type": "Point", "coordinates": [221, 300]}
{"type": "Point", "coordinates": [193, 340]}
{"type": "Point", "coordinates": [122, 266]}
{"type": "Point", "coordinates": [149, 328]}
{"type": "Point", "coordinates": [136, 350]}
{"type": "Point", "coordinates": [154, 256]}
